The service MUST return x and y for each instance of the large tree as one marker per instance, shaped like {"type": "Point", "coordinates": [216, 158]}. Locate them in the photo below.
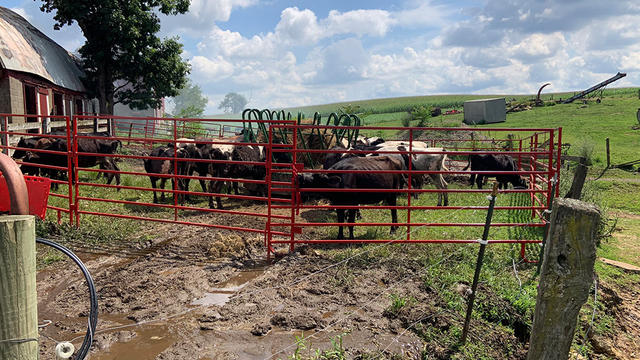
{"type": "Point", "coordinates": [233, 103]}
{"type": "Point", "coordinates": [189, 103]}
{"type": "Point", "coordinates": [121, 46]}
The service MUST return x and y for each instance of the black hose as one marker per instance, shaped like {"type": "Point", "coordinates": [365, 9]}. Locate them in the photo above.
{"type": "Point", "coordinates": [93, 312]}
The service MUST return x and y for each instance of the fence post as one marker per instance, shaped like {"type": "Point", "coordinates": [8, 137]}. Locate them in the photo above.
{"type": "Point", "coordinates": [45, 125]}
{"type": "Point", "coordinates": [130, 129]}
{"type": "Point", "coordinates": [476, 276]}
{"type": "Point", "coordinates": [19, 303]}
{"type": "Point", "coordinates": [608, 154]}
{"type": "Point", "coordinates": [96, 124]}
{"type": "Point", "coordinates": [566, 277]}
{"type": "Point", "coordinates": [579, 178]}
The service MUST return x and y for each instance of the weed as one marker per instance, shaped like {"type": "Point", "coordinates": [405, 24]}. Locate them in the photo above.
{"type": "Point", "coordinates": [398, 302]}
{"type": "Point", "coordinates": [304, 349]}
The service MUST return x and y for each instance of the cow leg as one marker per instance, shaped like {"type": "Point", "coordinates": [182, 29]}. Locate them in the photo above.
{"type": "Point", "coordinates": [153, 185]}
{"type": "Point", "coordinates": [108, 176]}
{"type": "Point", "coordinates": [215, 187]}
{"type": "Point", "coordinates": [394, 213]}
{"type": "Point", "coordinates": [416, 184]}
{"type": "Point", "coordinates": [163, 182]}
{"type": "Point", "coordinates": [210, 191]}
{"type": "Point", "coordinates": [479, 181]}
{"type": "Point", "coordinates": [340, 221]}
{"type": "Point", "coordinates": [185, 183]}
{"type": "Point", "coordinates": [438, 180]}
{"type": "Point", "coordinates": [351, 218]}
{"type": "Point", "coordinates": [472, 179]}
{"type": "Point", "coordinates": [116, 168]}
{"type": "Point", "coordinates": [109, 164]}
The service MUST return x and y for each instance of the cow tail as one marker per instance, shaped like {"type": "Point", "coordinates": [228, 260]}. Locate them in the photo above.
{"type": "Point", "coordinates": [468, 163]}
{"type": "Point", "coordinates": [444, 167]}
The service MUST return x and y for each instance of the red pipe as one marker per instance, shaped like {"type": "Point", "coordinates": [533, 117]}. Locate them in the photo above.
{"type": "Point", "coordinates": [16, 185]}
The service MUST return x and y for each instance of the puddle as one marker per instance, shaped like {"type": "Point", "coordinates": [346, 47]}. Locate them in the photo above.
{"type": "Point", "coordinates": [222, 294]}
{"type": "Point", "coordinates": [215, 298]}
{"type": "Point", "coordinates": [146, 344]}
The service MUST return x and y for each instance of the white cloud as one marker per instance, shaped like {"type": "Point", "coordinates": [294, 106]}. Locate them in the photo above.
{"type": "Point", "coordinates": [631, 61]}
{"type": "Point", "coordinates": [537, 46]}
{"type": "Point", "coordinates": [202, 15]}
{"type": "Point", "coordinates": [217, 68]}
{"type": "Point", "coordinates": [424, 14]}
{"type": "Point", "coordinates": [298, 26]}
{"type": "Point", "coordinates": [358, 22]}
{"type": "Point", "coordinates": [219, 10]}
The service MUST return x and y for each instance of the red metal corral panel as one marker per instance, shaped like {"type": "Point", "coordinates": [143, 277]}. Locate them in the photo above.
{"type": "Point", "coordinates": [38, 188]}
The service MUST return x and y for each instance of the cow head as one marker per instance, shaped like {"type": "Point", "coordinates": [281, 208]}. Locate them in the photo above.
{"type": "Point", "coordinates": [318, 181]}
{"type": "Point", "coordinates": [17, 154]}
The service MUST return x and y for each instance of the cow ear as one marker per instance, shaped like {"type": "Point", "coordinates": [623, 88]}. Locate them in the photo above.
{"type": "Point", "coordinates": [334, 181]}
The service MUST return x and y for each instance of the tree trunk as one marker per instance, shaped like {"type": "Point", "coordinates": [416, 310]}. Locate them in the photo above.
{"type": "Point", "coordinates": [106, 91]}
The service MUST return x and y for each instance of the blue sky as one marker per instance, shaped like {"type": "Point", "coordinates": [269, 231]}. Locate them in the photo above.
{"type": "Point", "coordinates": [280, 53]}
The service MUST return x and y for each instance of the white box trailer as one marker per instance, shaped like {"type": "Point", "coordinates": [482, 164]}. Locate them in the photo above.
{"type": "Point", "coordinates": [485, 111]}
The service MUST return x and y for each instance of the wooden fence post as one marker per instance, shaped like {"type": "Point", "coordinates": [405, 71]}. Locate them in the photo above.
{"type": "Point", "coordinates": [608, 154]}
{"type": "Point", "coordinates": [18, 303]}
{"type": "Point", "coordinates": [579, 177]}
{"type": "Point", "coordinates": [566, 277]}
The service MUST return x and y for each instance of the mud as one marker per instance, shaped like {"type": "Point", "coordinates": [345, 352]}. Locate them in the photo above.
{"type": "Point", "coordinates": [197, 293]}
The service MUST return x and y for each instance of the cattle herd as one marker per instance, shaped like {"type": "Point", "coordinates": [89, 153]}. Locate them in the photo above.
{"type": "Point", "coordinates": [358, 167]}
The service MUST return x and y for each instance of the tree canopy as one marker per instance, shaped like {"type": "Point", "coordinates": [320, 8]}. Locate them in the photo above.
{"type": "Point", "coordinates": [121, 46]}
{"type": "Point", "coordinates": [189, 103]}
{"type": "Point", "coordinates": [233, 103]}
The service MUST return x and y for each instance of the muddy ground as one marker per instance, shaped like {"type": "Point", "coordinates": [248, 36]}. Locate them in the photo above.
{"type": "Point", "coordinates": [197, 293]}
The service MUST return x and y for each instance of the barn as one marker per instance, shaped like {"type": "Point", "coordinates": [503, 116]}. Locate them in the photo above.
{"type": "Point", "coordinates": [37, 77]}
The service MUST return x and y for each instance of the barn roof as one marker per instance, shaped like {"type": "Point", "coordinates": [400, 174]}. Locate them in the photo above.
{"type": "Point", "coordinates": [24, 48]}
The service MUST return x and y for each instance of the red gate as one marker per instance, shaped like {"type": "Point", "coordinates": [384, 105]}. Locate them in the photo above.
{"type": "Point", "coordinates": [535, 150]}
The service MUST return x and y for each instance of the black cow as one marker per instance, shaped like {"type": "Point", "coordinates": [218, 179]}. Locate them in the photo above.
{"type": "Point", "coordinates": [358, 181]}
{"type": "Point", "coordinates": [215, 169]}
{"type": "Point", "coordinates": [491, 162]}
{"type": "Point", "coordinates": [55, 154]}
{"type": "Point", "coordinates": [30, 143]}
{"type": "Point", "coordinates": [186, 167]}
{"type": "Point", "coordinates": [159, 166]}
{"type": "Point", "coordinates": [237, 170]}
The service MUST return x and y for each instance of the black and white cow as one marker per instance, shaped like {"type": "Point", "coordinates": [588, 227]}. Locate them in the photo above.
{"type": "Point", "coordinates": [491, 162]}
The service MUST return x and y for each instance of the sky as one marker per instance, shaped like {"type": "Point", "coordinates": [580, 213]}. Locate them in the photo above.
{"type": "Point", "coordinates": [279, 53]}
